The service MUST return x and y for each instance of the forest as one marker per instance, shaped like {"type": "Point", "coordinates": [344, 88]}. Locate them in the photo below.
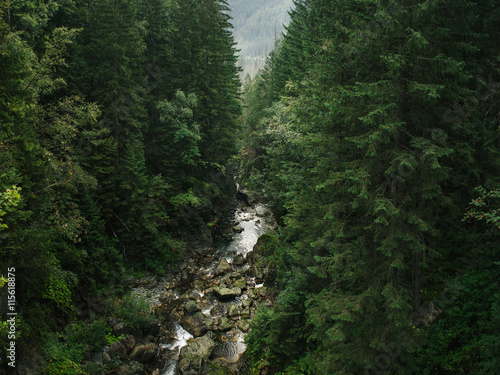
{"type": "Point", "coordinates": [372, 133]}
{"type": "Point", "coordinates": [118, 122]}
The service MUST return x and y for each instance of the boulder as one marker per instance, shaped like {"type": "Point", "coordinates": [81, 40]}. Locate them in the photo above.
{"type": "Point", "coordinates": [143, 353]}
{"type": "Point", "coordinates": [131, 368]}
{"type": "Point", "coordinates": [147, 282]}
{"type": "Point", "coordinates": [197, 324]}
{"type": "Point", "coordinates": [128, 342]}
{"type": "Point", "coordinates": [218, 309]}
{"type": "Point", "coordinates": [200, 347]}
{"type": "Point", "coordinates": [233, 312]}
{"type": "Point", "coordinates": [245, 313]}
{"type": "Point", "coordinates": [238, 229]}
{"type": "Point", "coordinates": [247, 302]}
{"type": "Point", "coordinates": [427, 314]}
{"type": "Point", "coordinates": [223, 267]}
{"type": "Point", "coordinates": [244, 325]}
{"type": "Point", "coordinates": [191, 295]}
{"type": "Point", "coordinates": [196, 354]}
{"type": "Point", "coordinates": [105, 357]}
{"type": "Point", "coordinates": [119, 329]}
{"type": "Point", "coordinates": [236, 275]}
{"type": "Point", "coordinates": [117, 350]}
{"type": "Point", "coordinates": [242, 284]}
{"type": "Point", "coordinates": [153, 328]}
{"type": "Point", "coordinates": [241, 196]}
{"type": "Point", "coordinates": [262, 292]}
{"type": "Point", "coordinates": [97, 358]}
{"type": "Point", "coordinates": [239, 260]}
{"type": "Point", "coordinates": [218, 369]}
{"type": "Point", "coordinates": [191, 307]}
{"type": "Point", "coordinates": [225, 324]}
{"type": "Point", "coordinates": [227, 293]}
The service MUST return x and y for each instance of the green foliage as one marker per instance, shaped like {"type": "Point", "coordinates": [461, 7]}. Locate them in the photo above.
{"type": "Point", "coordinates": [349, 134]}
{"type": "Point", "coordinates": [134, 311]}
{"type": "Point", "coordinates": [87, 90]}
{"type": "Point", "coordinates": [177, 120]}
{"type": "Point", "coordinates": [111, 339]}
{"type": "Point", "coordinates": [185, 199]}
{"type": "Point", "coordinates": [8, 202]}
{"type": "Point", "coordinates": [486, 207]}
{"type": "Point", "coordinates": [59, 288]}
{"type": "Point", "coordinates": [65, 352]}
{"type": "Point", "coordinates": [461, 341]}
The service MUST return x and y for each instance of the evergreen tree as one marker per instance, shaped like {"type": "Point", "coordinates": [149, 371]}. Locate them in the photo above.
{"type": "Point", "coordinates": [111, 54]}
{"type": "Point", "coordinates": [377, 177]}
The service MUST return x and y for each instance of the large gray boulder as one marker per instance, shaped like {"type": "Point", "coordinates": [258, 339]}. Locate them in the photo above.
{"type": "Point", "coordinates": [227, 293]}
{"type": "Point", "coordinates": [223, 267]}
{"type": "Point", "coordinates": [233, 312]}
{"type": "Point", "coordinates": [143, 353]}
{"type": "Point", "coordinates": [239, 260]}
{"type": "Point", "coordinates": [191, 306]}
{"type": "Point", "coordinates": [196, 354]}
{"type": "Point", "coordinates": [225, 325]}
{"type": "Point", "coordinates": [128, 342]}
{"type": "Point", "coordinates": [197, 324]}
{"type": "Point", "coordinates": [244, 325]}
{"type": "Point", "coordinates": [238, 229]}
{"type": "Point", "coordinates": [117, 350]}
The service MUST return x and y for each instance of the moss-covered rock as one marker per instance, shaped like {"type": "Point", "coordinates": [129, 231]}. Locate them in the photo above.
{"type": "Point", "coordinates": [217, 369]}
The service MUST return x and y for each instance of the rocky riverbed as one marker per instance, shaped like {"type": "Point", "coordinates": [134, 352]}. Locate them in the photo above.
{"type": "Point", "coordinates": [205, 308]}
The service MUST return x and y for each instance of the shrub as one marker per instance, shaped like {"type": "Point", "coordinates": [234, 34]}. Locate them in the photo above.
{"type": "Point", "coordinates": [134, 311]}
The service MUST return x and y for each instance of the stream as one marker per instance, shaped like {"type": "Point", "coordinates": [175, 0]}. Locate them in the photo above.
{"type": "Point", "coordinates": [208, 306]}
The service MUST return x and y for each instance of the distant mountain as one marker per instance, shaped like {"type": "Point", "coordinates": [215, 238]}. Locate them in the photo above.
{"type": "Point", "coordinates": [257, 24]}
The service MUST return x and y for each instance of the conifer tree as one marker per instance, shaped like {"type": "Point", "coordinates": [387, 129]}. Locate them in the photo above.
{"type": "Point", "coordinates": [377, 166]}
{"type": "Point", "coordinates": [112, 48]}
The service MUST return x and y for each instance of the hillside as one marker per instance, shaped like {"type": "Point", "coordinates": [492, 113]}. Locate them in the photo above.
{"type": "Point", "coordinates": [256, 26]}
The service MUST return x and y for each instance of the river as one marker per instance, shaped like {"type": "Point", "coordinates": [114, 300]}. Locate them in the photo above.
{"type": "Point", "coordinates": [209, 310]}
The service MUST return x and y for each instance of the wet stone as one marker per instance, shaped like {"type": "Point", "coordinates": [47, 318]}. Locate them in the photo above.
{"type": "Point", "coordinates": [247, 302]}
{"type": "Point", "coordinates": [225, 325]}
{"type": "Point", "coordinates": [239, 260]}
{"type": "Point", "coordinates": [143, 353]}
{"type": "Point", "coordinates": [233, 311]}
{"type": "Point", "coordinates": [227, 293]}
{"type": "Point", "coordinates": [238, 229]}
{"type": "Point", "coordinates": [191, 307]}
{"type": "Point", "coordinates": [128, 342]}
{"type": "Point", "coordinates": [218, 309]}
{"type": "Point", "coordinates": [244, 325]}
{"type": "Point", "coordinates": [223, 267]}
{"type": "Point", "coordinates": [197, 324]}
{"type": "Point", "coordinates": [245, 313]}
{"type": "Point", "coordinates": [242, 284]}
